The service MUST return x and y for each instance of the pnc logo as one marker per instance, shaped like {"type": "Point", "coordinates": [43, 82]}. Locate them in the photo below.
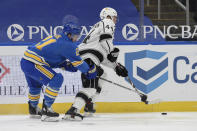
{"type": "Point", "coordinates": [130, 32]}
{"type": "Point", "coordinates": [147, 69]}
{"type": "Point", "coordinates": [15, 32]}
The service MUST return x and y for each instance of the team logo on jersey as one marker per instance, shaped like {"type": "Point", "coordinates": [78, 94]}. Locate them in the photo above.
{"type": "Point", "coordinates": [130, 32]}
{"type": "Point", "coordinates": [15, 32]}
{"type": "Point", "coordinates": [147, 69]}
{"type": "Point", "coordinates": [3, 70]}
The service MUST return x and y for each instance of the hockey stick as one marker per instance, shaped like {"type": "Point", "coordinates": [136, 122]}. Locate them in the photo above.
{"type": "Point", "coordinates": [136, 91]}
{"type": "Point", "coordinates": [118, 84]}
{"type": "Point", "coordinates": [143, 96]}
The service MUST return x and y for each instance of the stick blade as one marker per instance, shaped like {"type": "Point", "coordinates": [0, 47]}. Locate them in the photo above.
{"type": "Point", "coordinates": [156, 101]}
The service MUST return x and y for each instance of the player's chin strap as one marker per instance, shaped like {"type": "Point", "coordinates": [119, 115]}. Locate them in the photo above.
{"type": "Point", "coordinates": [142, 96]}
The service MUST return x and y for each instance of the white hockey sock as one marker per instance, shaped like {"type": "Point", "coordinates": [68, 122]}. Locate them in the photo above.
{"type": "Point", "coordinates": [94, 97]}
{"type": "Point", "coordinates": [79, 103]}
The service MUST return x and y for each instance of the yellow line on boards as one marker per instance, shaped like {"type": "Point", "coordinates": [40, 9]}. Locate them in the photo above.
{"type": "Point", "coordinates": [110, 107]}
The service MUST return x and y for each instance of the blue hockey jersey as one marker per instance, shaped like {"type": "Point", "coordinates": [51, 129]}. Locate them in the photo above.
{"type": "Point", "coordinates": [53, 51]}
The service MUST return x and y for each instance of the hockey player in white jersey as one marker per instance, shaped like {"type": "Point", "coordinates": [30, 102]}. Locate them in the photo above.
{"type": "Point", "coordinates": [97, 48]}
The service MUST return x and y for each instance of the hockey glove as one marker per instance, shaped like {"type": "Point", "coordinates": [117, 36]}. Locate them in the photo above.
{"type": "Point", "coordinates": [113, 55]}
{"type": "Point", "coordinates": [92, 73]}
{"type": "Point", "coordinates": [121, 70]}
{"type": "Point", "coordinates": [67, 65]}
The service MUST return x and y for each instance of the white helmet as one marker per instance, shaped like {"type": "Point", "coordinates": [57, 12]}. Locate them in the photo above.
{"type": "Point", "coordinates": [107, 11]}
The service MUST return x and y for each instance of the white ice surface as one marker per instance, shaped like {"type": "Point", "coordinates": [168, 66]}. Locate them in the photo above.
{"type": "Point", "coordinates": [106, 122]}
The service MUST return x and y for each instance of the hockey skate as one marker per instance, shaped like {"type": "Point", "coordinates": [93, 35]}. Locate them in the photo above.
{"type": "Point", "coordinates": [73, 115]}
{"type": "Point", "coordinates": [48, 114]}
{"type": "Point", "coordinates": [89, 109]}
{"type": "Point", "coordinates": [35, 112]}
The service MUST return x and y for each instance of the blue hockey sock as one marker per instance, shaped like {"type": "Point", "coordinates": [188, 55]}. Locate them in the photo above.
{"type": "Point", "coordinates": [52, 90]}
{"type": "Point", "coordinates": [34, 96]}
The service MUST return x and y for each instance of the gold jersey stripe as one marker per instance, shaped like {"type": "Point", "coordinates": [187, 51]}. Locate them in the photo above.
{"type": "Point", "coordinates": [44, 71]}
{"type": "Point", "coordinates": [33, 56]}
{"type": "Point", "coordinates": [76, 63]}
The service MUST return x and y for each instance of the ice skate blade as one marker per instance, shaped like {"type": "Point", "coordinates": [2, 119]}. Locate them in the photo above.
{"type": "Point", "coordinates": [35, 116]}
{"type": "Point", "coordinates": [45, 118]}
{"type": "Point", "coordinates": [89, 114]}
{"type": "Point", "coordinates": [69, 118]}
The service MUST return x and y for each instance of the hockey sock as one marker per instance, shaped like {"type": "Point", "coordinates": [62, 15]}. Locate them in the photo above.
{"type": "Point", "coordinates": [34, 96]}
{"type": "Point", "coordinates": [52, 90]}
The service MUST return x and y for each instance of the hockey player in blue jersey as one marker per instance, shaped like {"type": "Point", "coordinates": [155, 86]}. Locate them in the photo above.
{"type": "Point", "coordinates": [38, 63]}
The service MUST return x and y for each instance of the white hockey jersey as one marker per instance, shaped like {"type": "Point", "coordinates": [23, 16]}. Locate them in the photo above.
{"type": "Point", "coordinates": [99, 43]}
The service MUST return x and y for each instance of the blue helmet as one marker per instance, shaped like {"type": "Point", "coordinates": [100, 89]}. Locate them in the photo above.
{"type": "Point", "coordinates": [72, 28]}
{"type": "Point", "coordinates": [71, 25]}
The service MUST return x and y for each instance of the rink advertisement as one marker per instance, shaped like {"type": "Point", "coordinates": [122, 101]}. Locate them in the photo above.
{"type": "Point", "coordinates": [20, 25]}
{"type": "Point", "coordinates": [166, 72]}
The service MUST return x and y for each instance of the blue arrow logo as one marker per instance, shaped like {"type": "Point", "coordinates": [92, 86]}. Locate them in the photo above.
{"type": "Point", "coordinates": [147, 75]}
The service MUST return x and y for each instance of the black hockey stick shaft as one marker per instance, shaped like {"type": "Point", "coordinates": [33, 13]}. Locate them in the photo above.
{"type": "Point", "coordinates": [136, 91]}
{"type": "Point", "coordinates": [118, 84]}
{"type": "Point", "coordinates": [134, 86]}
{"type": "Point", "coordinates": [131, 83]}
{"type": "Point", "coordinates": [142, 96]}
